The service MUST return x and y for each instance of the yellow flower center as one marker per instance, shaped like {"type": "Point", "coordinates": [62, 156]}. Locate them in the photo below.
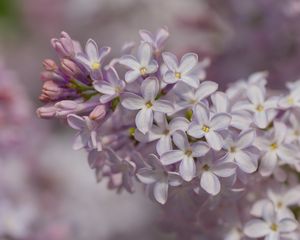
{"type": "Point", "coordinates": [260, 108]}
{"type": "Point", "coordinates": [232, 149]}
{"type": "Point", "coordinates": [96, 66]}
{"type": "Point", "coordinates": [188, 152]}
{"type": "Point", "coordinates": [177, 75]}
{"type": "Point", "coordinates": [274, 227]}
{"type": "Point", "coordinates": [149, 104]}
{"type": "Point", "coordinates": [273, 146]}
{"type": "Point", "coordinates": [118, 89]}
{"type": "Point", "coordinates": [143, 71]}
{"type": "Point", "coordinates": [205, 128]}
{"type": "Point", "coordinates": [279, 204]}
{"type": "Point", "coordinates": [290, 100]}
{"type": "Point", "coordinates": [205, 167]}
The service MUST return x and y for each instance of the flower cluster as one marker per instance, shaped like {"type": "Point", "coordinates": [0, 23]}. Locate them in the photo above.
{"type": "Point", "coordinates": [153, 117]}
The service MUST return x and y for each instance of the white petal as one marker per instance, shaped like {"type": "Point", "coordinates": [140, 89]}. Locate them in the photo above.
{"type": "Point", "coordinates": [215, 140]}
{"type": "Point", "coordinates": [256, 228]}
{"type": "Point", "coordinates": [259, 206]}
{"type": "Point", "coordinates": [188, 62]}
{"type": "Point", "coordinates": [246, 162]}
{"type": "Point", "coordinates": [201, 114]}
{"type": "Point", "coordinates": [169, 77]}
{"type": "Point", "coordinates": [187, 168]}
{"type": "Point", "coordinates": [210, 183]}
{"type": "Point", "coordinates": [170, 60]}
{"type": "Point", "coordinates": [107, 98]}
{"type": "Point", "coordinates": [205, 89]}
{"type": "Point", "coordinates": [292, 196]}
{"type": "Point", "coordinates": [268, 164]}
{"type": "Point", "coordinates": [174, 179]}
{"type": "Point", "coordinates": [144, 120]}
{"type": "Point", "coordinates": [104, 87]}
{"type": "Point", "coordinates": [144, 53]}
{"type": "Point", "coordinates": [146, 36]}
{"type": "Point", "coordinates": [220, 121]}
{"type": "Point", "coordinates": [152, 67]}
{"type": "Point", "coordinates": [150, 88]}
{"type": "Point", "coordinates": [191, 80]}
{"type": "Point", "coordinates": [146, 176]}
{"type": "Point", "coordinates": [132, 101]}
{"type": "Point", "coordinates": [171, 157]}
{"type": "Point", "coordinates": [225, 169]}
{"type": "Point", "coordinates": [287, 225]}
{"type": "Point", "coordinates": [179, 123]}
{"type": "Point", "coordinates": [180, 140]}
{"type": "Point", "coordinates": [164, 144]}
{"type": "Point", "coordinates": [195, 131]}
{"type": "Point", "coordinates": [91, 49]}
{"type": "Point", "coordinates": [130, 62]}
{"type": "Point", "coordinates": [160, 191]}
{"type": "Point", "coordinates": [261, 119]}
{"type": "Point", "coordinates": [163, 106]}
{"type": "Point", "coordinates": [220, 101]}
{"type": "Point", "coordinates": [132, 75]}
{"type": "Point", "coordinates": [246, 139]}
{"type": "Point", "coordinates": [200, 149]}
{"type": "Point", "coordinates": [255, 95]}
{"type": "Point", "coordinates": [280, 131]}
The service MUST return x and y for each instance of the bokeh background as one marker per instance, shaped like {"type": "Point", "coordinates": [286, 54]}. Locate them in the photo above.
{"type": "Point", "coordinates": [52, 182]}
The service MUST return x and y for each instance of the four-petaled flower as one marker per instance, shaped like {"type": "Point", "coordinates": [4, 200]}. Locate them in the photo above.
{"type": "Point", "coordinates": [186, 71]}
{"type": "Point", "coordinates": [204, 124]}
{"type": "Point", "coordinates": [111, 88]}
{"type": "Point", "coordinates": [186, 154]}
{"type": "Point", "coordinates": [147, 104]}
{"type": "Point", "coordinates": [92, 60]}
{"type": "Point", "coordinates": [158, 41]}
{"type": "Point", "coordinates": [143, 65]}
{"type": "Point", "coordinates": [157, 175]}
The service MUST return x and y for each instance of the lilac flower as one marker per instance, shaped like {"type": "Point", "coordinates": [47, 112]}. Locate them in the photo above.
{"type": "Point", "coordinates": [87, 136]}
{"type": "Point", "coordinates": [111, 88]}
{"type": "Point", "coordinates": [121, 166]}
{"type": "Point", "coordinates": [190, 97]}
{"type": "Point", "coordinates": [186, 71]}
{"type": "Point", "coordinates": [157, 175]}
{"type": "Point", "coordinates": [258, 105]}
{"type": "Point", "coordinates": [209, 172]}
{"type": "Point", "coordinates": [92, 60]}
{"type": "Point", "coordinates": [293, 133]}
{"type": "Point", "coordinates": [291, 100]}
{"type": "Point", "coordinates": [143, 65]}
{"type": "Point", "coordinates": [275, 149]}
{"type": "Point", "coordinates": [147, 104]}
{"type": "Point", "coordinates": [240, 151]}
{"type": "Point", "coordinates": [270, 226]}
{"type": "Point", "coordinates": [163, 132]}
{"type": "Point", "coordinates": [65, 46]}
{"type": "Point", "coordinates": [158, 41]}
{"type": "Point", "coordinates": [209, 126]}
{"type": "Point", "coordinates": [185, 154]}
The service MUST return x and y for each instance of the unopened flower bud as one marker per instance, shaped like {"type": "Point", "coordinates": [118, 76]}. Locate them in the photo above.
{"type": "Point", "coordinates": [69, 67]}
{"type": "Point", "coordinates": [49, 65]}
{"type": "Point", "coordinates": [64, 46]}
{"type": "Point", "coordinates": [98, 113]}
{"type": "Point", "coordinates": [46, 112]}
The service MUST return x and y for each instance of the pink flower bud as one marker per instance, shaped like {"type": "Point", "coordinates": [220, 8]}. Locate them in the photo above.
{"type": "Point", "coordinates": [49, 65]}
{"type": "Point", "coordinates": [98, 113]}
{"type": "Point", "coordinates": [69, 67]}
{"type": "Point", "coordinates": [47, 111]}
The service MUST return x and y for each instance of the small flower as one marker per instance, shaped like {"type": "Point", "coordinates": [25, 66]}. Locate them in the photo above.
{"type": "Point", "coordinates": [291, 100]}
{"type": "Point", "coordinates": [186, 71]}
{"type": "Point", "coordinates": [143, 65]}
{"type": "Point", "coordinates": [87, 136]}
{"type": "Point", "coordinates": [93, 59]}
{"type": "Point", "coordinates": [163, 131]}
{"type": "Point", "coordinates": [209, 126]}
{"type": "Point", "coordinates": [158, 41]}
{"type": "Point", "coordinates": [157, 175]}
{"type": "Point", "coordinates": [190, 97]}
{"type": "Point", "coordinates": [240, 151]}
{"type": "Point", "coordinates": [111, 88]}
{"type": "Point", "coordinates": [121, 166]}
{"type": "Point", "coordinates": [185, 154]}
{"type": "Point", "coordinates": [258, 105]}
{"type": "Point", "coordinates": [209, 172]}
{"type": "Point", "coordinates": [270, 226]}
{"type": "Point", "coordinates": [275, 149]}
{"type": "Point", "coordinates": [147, 104]}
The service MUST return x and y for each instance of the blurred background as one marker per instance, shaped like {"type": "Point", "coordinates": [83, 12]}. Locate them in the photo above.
{"type": "Point", "coordinates": [47, 190]}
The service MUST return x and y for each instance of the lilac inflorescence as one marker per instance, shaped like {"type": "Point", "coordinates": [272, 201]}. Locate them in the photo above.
{"type": "Point", "coordinates": [152, 117]}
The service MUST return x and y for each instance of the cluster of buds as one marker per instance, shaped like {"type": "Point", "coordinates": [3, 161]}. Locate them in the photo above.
{"type": "Point", "coordinates": [151, 117]}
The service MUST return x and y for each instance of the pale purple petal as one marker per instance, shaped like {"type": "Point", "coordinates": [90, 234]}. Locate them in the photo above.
{"type": "Point", "coordinates": [163, 106]}
{"type": "Point", "coordinates": [150, 88]}
{"type": "Point", "coordinates": [179, 123]}
{"type": "Point", "coordinates": [220, 121]}
{"type": "Point", "coordinates": [261, 119]}
{"type": "Point", "coordinates": [200, 149]}
{"type": "Point", "coordinates": [280, 131]}
{"type": "Point", "coordinates": [191, 80]}
{"type": "Point", "coordinates": [180, 140]}
{"type": "Point", "coordinates": [201, 114]}
{"type": "Point", "coordinates": [104, 51]}
{"type": "Point", "coordinates": [174, 179]}
{"type": "Point", "coordinates": [131, 75]}
{"type": "Point", "coordinates": [76, 122]}
{"type": "Point", "coordinates": [246, 139]}
{"type": "Point", "coordinates": [130, 62]}
{"type": "Point", "coordinates": [187, 168]}
{"type": "Point", "coordinates": [144, 119]}
{"type": "Point", "coordinates": [287, 225]}
{"type": "Point", "coordinates": [188, 62]}
{"type": "Point", "coordinates": [171, 157]}
{"type": "Point", "coordinates": [210, 183]}
{"type": "Point", "coordinates": [195, 131]}
{"type": "Point", "coordinates": [144, 54]}
{"type": "Point", "coordinates": [256, 228]}
{"type": "Point", "coordinates": [215, 140]}
{"type": "Point", "coordinates": [220, 101]}
{"type": "Point", "coordinates": [91, 50]}
{"type": "Point", "coordinates": [246, 162]}
{"type": "Point", "coordinates": [104, 87]}
{"type": "Point", "coordinates": [226, 169]}
{"type": "Point", "coordinates": [169, 77]}
{"type": "Point", "coordinates": [160, 192]}
{"type": "Point", "coordinates": [146, 176]}
{"type": "Point", "coordinates": [171, 61]}
{"type": "Point", "coordinates": [255, 95]}
{"type": "Point", "coordinates": [268, 164]}
{"type": "Point", "coordinates": [132, 101]}
{"type": "Point", "coordinates": [146, 36]}
{"type": "Point", "coordinates": [164, 144]}
{"type": "Point", "coordinates": [205, 89]}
